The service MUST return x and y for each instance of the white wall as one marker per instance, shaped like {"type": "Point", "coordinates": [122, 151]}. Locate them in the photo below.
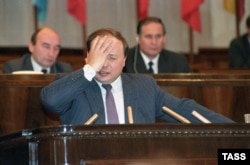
{"type": "Point", "coordinates": [218, 26]}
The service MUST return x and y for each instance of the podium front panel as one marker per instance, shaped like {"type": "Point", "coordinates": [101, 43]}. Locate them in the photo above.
{"type": "Point", "coordinates": [124, 144]}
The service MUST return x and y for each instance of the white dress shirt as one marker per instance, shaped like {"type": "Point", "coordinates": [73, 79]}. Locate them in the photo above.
{"type": "Point", "coordinates": [117, 91]}
{"type": "Point", "coordinates": [37, 67]}
{"type": "Point", "coordinates": [147, 60]}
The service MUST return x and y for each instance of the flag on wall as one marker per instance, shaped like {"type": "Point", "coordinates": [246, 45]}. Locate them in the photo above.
{"type": "Point", "coordinates": [190, 13]}
{"type": "Point", "coordinates": [229, 5]}
{"type": "Point", "coordinates": [41, 8]}
{"type": "Point", "coordinates": [240, 9]}
{"type": "Point", "coordinates": [233, 6]}
{"type": "Point", "coordinates": [77, 8]}
{"type": "Point", "coordinates": [142, 9]}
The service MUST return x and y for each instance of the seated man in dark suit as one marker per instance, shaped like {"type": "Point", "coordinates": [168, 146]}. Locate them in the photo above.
{"type": "Point", "coordinates": [149, 56]}
{"type": "Point", "coordinates": [239, 50]}
{"type": "Point", "coordinates": [44, 47]}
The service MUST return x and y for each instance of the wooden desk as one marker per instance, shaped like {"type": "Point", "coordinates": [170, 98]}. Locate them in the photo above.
{"type": "Point", "coordinates": [20, 106]}
{"type": "Point", "coordinates": [210, 58]}
{"type": "Point", "coordinates": [156, 144]}
{"type": "Point", "coordinates": [226, 93]}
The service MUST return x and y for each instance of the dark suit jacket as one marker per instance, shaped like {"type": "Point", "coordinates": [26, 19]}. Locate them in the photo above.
{"type": "Point", "coordinates": [239, 52]}
{"type": "Point", "coordinates": [169, 62]}
{"type": "Point", "coordinates": [24, 63]}
{"type": "Point", "coordinates": [76, 99]}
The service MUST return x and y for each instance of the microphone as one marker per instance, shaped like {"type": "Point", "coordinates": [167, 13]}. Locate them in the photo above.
{"type": "Point", "coordinates": [175, 115]}
{"type": "Point", "coordinates": [200, 117]}
{"type": "Point", "coordinates": [130, 115]}
{"type": "Point", "coordinates": [91, 119]}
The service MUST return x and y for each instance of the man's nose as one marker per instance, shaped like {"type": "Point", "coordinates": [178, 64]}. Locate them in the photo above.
{"type": "Point", "coordinates": [106, 63]}
{"type": "Point", "coordinates": [154, 39]}
{"type": "Point", "coordinates": [52, 52]}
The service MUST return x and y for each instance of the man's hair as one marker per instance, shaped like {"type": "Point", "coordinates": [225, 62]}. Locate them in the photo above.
{"type": "Point", "coordinates": [248, 22]}
{"type": "Point", "coordinates": [107, 31]}
{"type": "Point", "coordinates": [34, 36]}
{"type": "Point", "coordinates": [148, 20]}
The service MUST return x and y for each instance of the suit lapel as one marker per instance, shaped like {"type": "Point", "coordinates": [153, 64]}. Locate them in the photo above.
{"type": "Point", "coordinates": [141, 67]}
{"type": "Point", "coordinates": [164, 65]}
{"type": "Point", "coordinates": [94, 95]}
{"type": "Point", "coordinates": [130, 97]}
{"type": "Point", "coordinates": [27, 62]}
{"type": "Point", "coordinates": [246, 46]}
{"type": "Point", "coordinates": [53, 69]}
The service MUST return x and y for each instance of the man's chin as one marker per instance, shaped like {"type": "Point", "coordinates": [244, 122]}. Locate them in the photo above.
{"type": "Point", "coordinates": [102, 79]}
{"type": "Point", "coordinates": [153, 53]}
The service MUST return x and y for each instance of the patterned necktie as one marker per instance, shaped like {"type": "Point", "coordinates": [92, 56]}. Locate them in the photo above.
{"type": "Point", "coordinates": [150, 69]}
{"type": "Point", "coordinates": [44, 71]}
{"type": "Point", "coordinates": [110, 105]}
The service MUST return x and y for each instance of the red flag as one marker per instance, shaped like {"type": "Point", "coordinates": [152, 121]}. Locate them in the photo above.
{"type": "Point", "coordinates": [190, 13]}
{"type": "Point", "coordinates": [240, 9]}
{"type": "Point", "coordinates": [142, 9]}
{"type": "Point", "coordinates": [77, 8]}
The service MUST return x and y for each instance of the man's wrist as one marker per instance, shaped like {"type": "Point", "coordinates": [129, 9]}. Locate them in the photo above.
{"type": "Point", "coordinates": [89, 72]}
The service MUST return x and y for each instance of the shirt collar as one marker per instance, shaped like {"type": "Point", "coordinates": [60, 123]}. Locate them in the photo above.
{"type": "Point", "coordinates": [37, 67]}
{"type": "Point", "coordinates": [146, 59]}
{"type": "Point", "coordinates": [116, 85]}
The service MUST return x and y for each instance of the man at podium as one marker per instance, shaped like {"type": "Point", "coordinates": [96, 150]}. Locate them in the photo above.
{"type": "Point", "coordinates": [101, 89]}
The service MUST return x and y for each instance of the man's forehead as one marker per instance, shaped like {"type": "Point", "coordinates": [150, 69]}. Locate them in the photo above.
{"type": "Point", "coordinates": [153, 30]}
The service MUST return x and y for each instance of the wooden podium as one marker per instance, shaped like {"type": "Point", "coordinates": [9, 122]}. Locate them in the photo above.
{"type": "Point", "coordinates": [157, 144]}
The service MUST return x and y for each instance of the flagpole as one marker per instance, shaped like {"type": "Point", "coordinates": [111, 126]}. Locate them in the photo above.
{"type": "Point", "coordinates": [35, 18]}
{"type": "Point", "coordinates": [84, 40]}
{"type": "Point", "coordinates": [191, 45]}
{"type": "Point", "coordinates": [237, 16]}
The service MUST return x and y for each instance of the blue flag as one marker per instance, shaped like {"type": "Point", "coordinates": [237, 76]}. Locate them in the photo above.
{"type": "Point", "coordinates": [41, 6]}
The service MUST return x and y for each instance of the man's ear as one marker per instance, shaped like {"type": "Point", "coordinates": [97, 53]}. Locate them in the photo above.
{"type": "Point", "coordinates": [31, 46]}
{"type": "Point", "coordinates": [86, 58]}
{"type": "Point", "coordinates": [137, 39]}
